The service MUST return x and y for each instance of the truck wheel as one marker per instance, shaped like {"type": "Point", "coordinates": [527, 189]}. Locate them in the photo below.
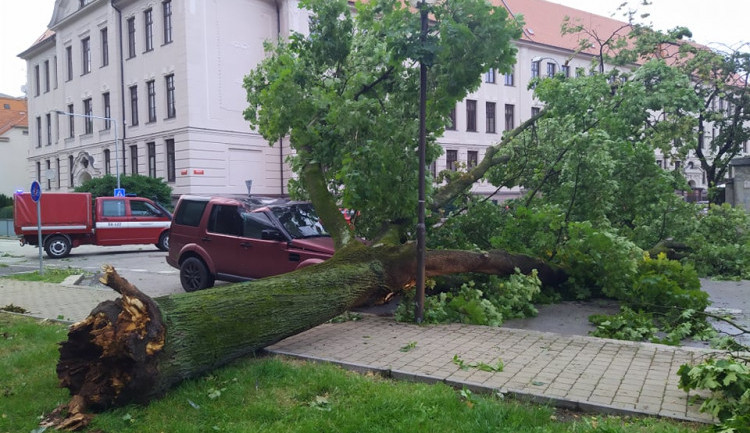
{"type": "Point", "coordinates": [194, 275]}
{"type": "Point", "coordinates": [163, 243]}
{"type": "Point", "coordinates": [57, 247]}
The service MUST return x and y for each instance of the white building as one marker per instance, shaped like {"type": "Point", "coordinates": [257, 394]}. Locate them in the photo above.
{"type": "Point", "coordinates": [169, 73]}
{"type": "Point", "coordinates": [14, 144]}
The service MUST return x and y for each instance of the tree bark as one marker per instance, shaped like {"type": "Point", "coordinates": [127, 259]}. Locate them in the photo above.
{"type": "Point", "coordinates": [135, 348]}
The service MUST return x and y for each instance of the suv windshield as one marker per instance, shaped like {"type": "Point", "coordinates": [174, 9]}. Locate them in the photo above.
{"type": "Point", "coordinates": [300, 220]}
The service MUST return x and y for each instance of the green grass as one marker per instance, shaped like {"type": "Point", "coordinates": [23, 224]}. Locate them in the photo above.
{"type": "Point", "coordinates": [281, 395]}
{"type": "Point", "coordinates": [50, 275]}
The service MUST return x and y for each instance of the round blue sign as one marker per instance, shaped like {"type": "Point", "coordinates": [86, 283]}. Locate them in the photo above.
{"type": "Point", "coordinates": [36, 191]}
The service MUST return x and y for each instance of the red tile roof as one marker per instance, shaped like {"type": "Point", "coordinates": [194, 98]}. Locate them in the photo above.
{"type": "Point", "coordinates": [15, 115]}
{"type": "Point", "coordinates": [543, 23]}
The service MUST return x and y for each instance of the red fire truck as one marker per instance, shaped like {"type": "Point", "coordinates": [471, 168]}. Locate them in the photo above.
{"type": "Point", "coordinates": [72, 219]}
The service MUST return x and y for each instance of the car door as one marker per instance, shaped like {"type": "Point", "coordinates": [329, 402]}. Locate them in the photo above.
{"type": "Point", "coordinates": [112, 221]}
{"type": "Point", "coordinates": [224, 242]}
{"type": "Point", "coordinates": [146, 220]}
{"type": "Point", "coordinates": [265, 257]}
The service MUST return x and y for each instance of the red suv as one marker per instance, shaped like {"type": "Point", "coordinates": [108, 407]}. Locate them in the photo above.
{"type": "Point", "coordinates": [217, 238]}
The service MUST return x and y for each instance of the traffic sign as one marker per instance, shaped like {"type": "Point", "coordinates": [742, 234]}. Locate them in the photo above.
{"type": "Point", "coordinates": [36, 191]}
{"type": "Point", "coordinates": [119, 192]}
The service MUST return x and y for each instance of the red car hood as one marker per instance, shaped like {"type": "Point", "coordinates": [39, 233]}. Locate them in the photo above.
{"type": "Point", "coordinates": [322, 244]}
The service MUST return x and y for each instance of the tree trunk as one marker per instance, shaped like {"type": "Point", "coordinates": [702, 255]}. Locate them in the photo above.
{"type": "Point", "coordinates": [135, 348]}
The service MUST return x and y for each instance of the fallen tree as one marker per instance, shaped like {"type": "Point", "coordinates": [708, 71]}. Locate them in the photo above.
{"type": "Point", "coordinates": [135, 348]}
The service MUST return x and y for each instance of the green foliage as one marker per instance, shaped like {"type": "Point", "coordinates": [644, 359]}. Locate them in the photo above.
{"type": "Point", "coordinates": [665, 299]}
{"type": "Point", "coordinates": [478, 301]}
{"type": "Point", "coordinates": [721, 243]}
{"type": "Point", "coordinates": [353, 80]}
{"type": "Point", "coordinates": [6, 206]}
{"type": "Point", "coordinates": [142, 186]}
{"type": "Point", "coordinates": [728, 382]}
{"type": "Point", "coordinates": [598, 262]}
{"type": "Point", "coordinates": [626, 325]}
{"type": "Point", "coordinates": [6, 212]}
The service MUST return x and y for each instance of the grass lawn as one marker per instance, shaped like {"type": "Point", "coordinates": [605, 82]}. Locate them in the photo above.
{"type": "Point", "coordinates": [271, 394]}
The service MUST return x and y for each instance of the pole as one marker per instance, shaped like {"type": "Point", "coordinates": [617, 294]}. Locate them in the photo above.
{"type": "Point", "coordinates": [419, 313]}
{"type": "Point", "coordinates": [39, 234]}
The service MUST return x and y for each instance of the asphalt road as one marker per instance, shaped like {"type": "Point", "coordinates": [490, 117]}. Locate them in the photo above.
{"type": "Point", "coordinates": [144, 266]}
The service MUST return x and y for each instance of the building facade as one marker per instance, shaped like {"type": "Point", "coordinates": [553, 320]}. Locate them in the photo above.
{"type": "Point", "coordinates": [154, 87]}
{"type": "Point", "coordinates": [14, 144]}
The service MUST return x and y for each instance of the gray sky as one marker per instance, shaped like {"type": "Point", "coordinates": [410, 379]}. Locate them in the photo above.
{"type": "Point", "coordinates": [716, 21]}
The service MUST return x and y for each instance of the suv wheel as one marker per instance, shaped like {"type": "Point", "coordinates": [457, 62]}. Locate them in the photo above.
{"type": "Point", "coordinates": [194, 275]}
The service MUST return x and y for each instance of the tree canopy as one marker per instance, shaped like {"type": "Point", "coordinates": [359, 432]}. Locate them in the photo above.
{"type": "Point", "coordinates": [346, 95]}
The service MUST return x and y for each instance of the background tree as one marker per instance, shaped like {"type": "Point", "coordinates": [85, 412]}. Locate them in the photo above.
{"type": "Point", "coordinates": [142, 186]}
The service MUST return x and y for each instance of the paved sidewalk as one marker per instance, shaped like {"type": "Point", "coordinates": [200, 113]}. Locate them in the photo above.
{"type": "Point", "coordinates": [570, 371]}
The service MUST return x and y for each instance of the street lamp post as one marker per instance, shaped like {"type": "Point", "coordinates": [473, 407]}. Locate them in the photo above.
{"type": "Point", "coordinates": [108, 119]}
{"type": "Point", "coordinates": [420, 280]}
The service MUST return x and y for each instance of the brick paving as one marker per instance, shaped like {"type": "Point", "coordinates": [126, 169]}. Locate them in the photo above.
{"type": "Point", "coordinates": [586, 373]}
{"type": "Point", "coordinates": [577, 372]}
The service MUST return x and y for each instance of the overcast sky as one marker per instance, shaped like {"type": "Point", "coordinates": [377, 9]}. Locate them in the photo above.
{"type": "Point", "coordinates": [712, 22]}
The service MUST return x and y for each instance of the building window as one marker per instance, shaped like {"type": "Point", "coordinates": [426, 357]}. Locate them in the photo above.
{"type": "Point", "coordinates": [134, 159]}
{"type": "Point", "coordinates": [71, 122]}
{"type": "Point", "coordinates": [489, 77]}
{"type": "Point", "coordinates": [105, 46]}
{"type": "Point", "coordinates": [86, 56]}
{"type": "Point", "coordinates": [171, 110]}
{"type": "Point", "coordinates": [535, 69]}
{"type": "Point", "coordinates": [38, 170]}
{"type": "Point", "coordinates": [451, 157]}
{"type": "Point", "coordinates": [490, 112]}
{"type": "Point", "coordinates": [451, 126]}
{"type": "Point", "coordinates": [49, 178]}
{"type": "Point", "coordinates": [107, 110]}
{"type": "Point", "coordinates": [54, 66]}
{"type": "Point", "coordinates": [167, 12]}
{"type": "Point", "coordinates": [151, 159]}
{"type": "Point", "coordinates": [509, 79]}
{"type": "Point", "coordinates": [71, 184]}
{"type": "Point", "coordinates": [551, 69]}
{"type": "Point", "coordinates": [151, 88]}
{"type": "Point", "coordinates": [471, 115]}
{"type": "Point", "coordinates": [131, 37]}
{"type": "Point", "coordinates": [535, 111]}
{"type": "Point", "coordinates": [59, 179]}
{"type": "Point", "coordinates": [565, 69]}
{"type": "Point", "coordinates": [472, 158]}
{"type": "Point", "coordinates": [69, 62]}
{"type": "Point", "coordinates": [107, 161]}
{"type": "Point", "coordinates": [133, 105]}
{"type": "Point", "coordinates": [148, 18]}
{"type": "Point", "coordinates": [49, 129]}
{"type": "Point", "coordinates": [37, 81]}
{"type": "Point", "coordinates": [88, 122]}
{"type": "Point", "coordinates": [46, 76]}
{"type": "Point", "coordinates": [509, 117]}
{"type": "Point", "coordinates": [38, 131]}
{"type": "Point", "coordinates": [171, 170]}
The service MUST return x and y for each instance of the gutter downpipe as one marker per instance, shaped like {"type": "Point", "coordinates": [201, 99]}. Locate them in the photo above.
{"type": "Point", "coordinates": [122, 80]}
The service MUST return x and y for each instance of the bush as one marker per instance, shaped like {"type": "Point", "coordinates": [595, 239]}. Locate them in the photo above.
{"type": "Point", "coordinates": [142, 186]}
